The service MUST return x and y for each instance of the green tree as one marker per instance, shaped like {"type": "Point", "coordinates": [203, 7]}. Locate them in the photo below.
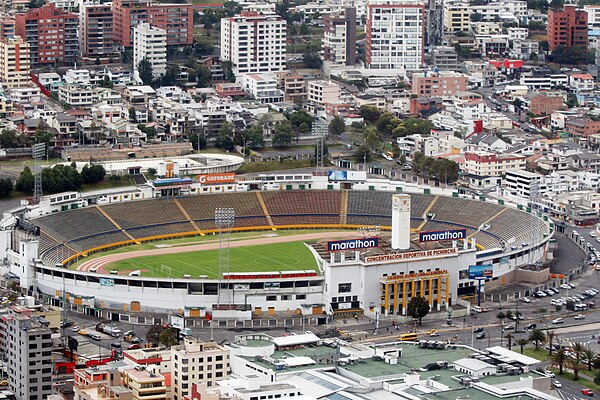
{"type": "Point", "coordinates": [588, 356]}
{"type": "Point", "coordinates": [198, 141]}
{"type": "Point", "coordinates": [550, 339]}
{"type": "Point", "coordinates": [336, 126]}
{"type": "Point", "coordinates": [559, 359]}
{"type": "Point", "coordinates": [132, 115]}
{"type": "Point", "coordinates": [509, 338]}
{"type": "Point", "coordinates": [144, 68]}
{"type": "Point", "coordinates": [6, 186]}
{"type": "Point", "coordinates": [25, 181]}
{"type": "Point", "coordinates": [224, 137]}
{"type": "Point", "coordinates": [522, 342]}
{"type": "Point", "coordinates": [501, 316]}
{"type": "Point", "coordinates": [92, 174]}
{"type": "Point", "coordinates": [575, 365]}
{"type": "Point", "coordinates": [369, 113]}
{"type": "Point", "coordinates": [168, 337]}
{"type": "Point", "coordinates": [254, 136]}
{"type": "Point", "coordinates": [372, 138]}
{"type": "Point", "coordinates": [153, 334]}
{"type": "Point", "coordinates": [152, 171]}
{"type": "Point", "coordinates": [597, 378]}
{"type": "Point", "coordinates": [537, 336]}
{"type": "Point", "coordinates": [572, 100]}
{"type": "Point", "coordinates": [283, 134]}
{"type": "Point", "coordinates": [418, 308]}
{"type": "Point", "coordinates": [363, 154]}
{"type": "Point", "coordinates": [8, 138]}
{"type": "Point", "coordinates": [476, 17]}
{"type": "Point", "coordinates": [386, 123]}
{"type": "Point", "coordinates": [312, 60]}
{"type": "Point", "coordinates": [518, 103]}
{"type": "Point", "coordinates": [301, 121]}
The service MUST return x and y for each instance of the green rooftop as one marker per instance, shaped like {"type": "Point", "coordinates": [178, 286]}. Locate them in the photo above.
{"type": "Point", "coordinates": [468, 393]}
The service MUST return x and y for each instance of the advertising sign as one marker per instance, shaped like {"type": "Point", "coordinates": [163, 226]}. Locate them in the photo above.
{"type": "Point", "coordinates": [353, 244]}
{"type": "Point", "coordinates": [412, 256]}
{"type": "Point", "coordinates": [177, 322]}
{"type": "Point", "coordinates": [241, 286]}
{"type": "Point", "coordinates": [271, 286]}
{"type": "Point", "coordinates": [480, 271]}
{"type": "Point", "coordinates": [211, 179]}
{"type": "Point", "coordinates": [347, 175]}
{"type": "Point", "coordinates": [436, 236]}
{"type": "Point", "coordinates": [107, 282]}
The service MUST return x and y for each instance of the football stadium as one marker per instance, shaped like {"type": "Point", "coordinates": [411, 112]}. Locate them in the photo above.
{"type": "Point", "coordinates": [339, 245]}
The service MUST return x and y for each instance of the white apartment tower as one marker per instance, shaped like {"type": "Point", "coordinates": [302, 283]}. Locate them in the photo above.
{"type": "Point", "coordinates": [150, 43]}
{"type": "Point", "coordinates": [29, 350]}
{"type": "Point", "coordinates": [254, 43]}
{"type": "Point", "coordinates": [14, 62]}
{"type": "Point", "coordinates": [395, 34]}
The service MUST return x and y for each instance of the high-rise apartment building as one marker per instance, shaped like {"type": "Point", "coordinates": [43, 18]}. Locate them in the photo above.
{"type": "Point", "coordinates": [14, 62]}
{"type": "Point", "coordinates": [7, 26]}
{"type": "Point", "coordinates": [149, 43]}
{"type": "Point", "coordinates": [96, 31]}
{"type": "Point", "coordinates": [339, 41]}
{"type": "Point", "coordinates": [568, 27]}
{"type": "Point", "coordinates": [176, 19]}
{"type": "Point", "coordinates": [457, 18]}
{"type": "Point", "coordinates": [395, 34]}
{"type": "Point", "coordinates": [51, 34]}
{"type": "Point", "coordinates": [254, 43]}
{"type": "Point", "coordinates": [29, 357]}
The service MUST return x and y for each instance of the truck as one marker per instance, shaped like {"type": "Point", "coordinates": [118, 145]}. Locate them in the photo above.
{"type": "Point", "coordinates": [110, 330]}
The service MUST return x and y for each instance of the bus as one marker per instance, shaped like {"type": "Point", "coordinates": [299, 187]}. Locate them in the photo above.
{"type": "Point", "coordinates": [408, 337]}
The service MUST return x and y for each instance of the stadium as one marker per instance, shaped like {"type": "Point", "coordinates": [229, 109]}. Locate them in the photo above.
{"type": "Point", "coordinates": [139, 249]}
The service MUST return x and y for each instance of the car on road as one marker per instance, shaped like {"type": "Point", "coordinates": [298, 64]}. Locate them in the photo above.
{"type": "Point", "coordinates": [593, 234]}
{"type": "Point", "coordinates": [509, 327]}
{"type": "Point", "coordinates": [136, 340]}
{"type": "Point", "coordinates": [587, 392]}
{"type": "Point", "coordinates": [525, 300]}
{"type": "Point", "coordinates": [433, 332]}
{"type": "Point", "coordinates": [65, 323]}
{"type": "Point", "coordinates": [478, 330]}
{"type": "Point", "coordinates": [75, 328]}
{"type": "Point", "coordinates": [480, 335]}
{"type": "Point", "coordinates": [549, 374]}
{"type": "Point", "coordinates": [530, 327]}
{"type": "Point", "coordinates": [558, 321]}
{"type": "Point", "coordinates": [83, 332]}
{"type": "Point", "coordinates": [96, 337]}
{"type": "Point", "coordinates": [133, 347]}
{"type": "Point", "coordinates": [580, 316]}
{"type": "Point", "coordinates": [556, 384]}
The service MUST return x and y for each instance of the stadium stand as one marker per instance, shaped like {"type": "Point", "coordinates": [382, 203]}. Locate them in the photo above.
{"type": "Point", "coordinates": [203, 207]}
{"type": "Point", "coordinates": [101, 239]}
{"type": "Point", "coordinates": [156, 230]}
{"type": "Point", "coordinates": [148, 212]}
{"type": "Point", "coordinates": [313, 202]}
{"type": "Point", "coordinates": [67, 226]}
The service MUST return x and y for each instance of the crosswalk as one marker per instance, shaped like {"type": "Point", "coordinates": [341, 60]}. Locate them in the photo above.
{"type": "Point", "coordinates": [569, 396]}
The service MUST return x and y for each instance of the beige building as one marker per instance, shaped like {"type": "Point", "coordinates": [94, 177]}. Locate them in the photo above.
{"type": "Point", "coordinates": [14, 62]}
{"type": "Point", "coordinates": [103, 392]}
{"type": "Point", "coordinates": [324, 92]}
{"type": "Point", "coordinates": [482, 163]}
{"type": "Point", "coordinates": [457, 19]}
{"type": "Point", "coordinates": [143, 384]}
{"type": "Point", "coordinates": [438, 84]}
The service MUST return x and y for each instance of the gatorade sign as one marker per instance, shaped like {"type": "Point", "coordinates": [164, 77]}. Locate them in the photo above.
{"type": "Point", "coordinates": [211, 179]}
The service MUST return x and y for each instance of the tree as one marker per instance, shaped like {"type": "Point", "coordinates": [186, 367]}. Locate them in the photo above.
{"type": "Point", "coordinates": [508, 314]}
{"type": "Point", "coordinates": [224, 137]}
{"type": "Point", "coordinates": [588, 356]}
{"type": "Point", "coordinates": [550, 339]}
{"type": "Point", "coordinates": [369, 113]}
{"type": "Point", "coordinates": [518, 103]}
{"type": "Point", "coordinates": [476, 17]}
{"type": "Point", "coordinates": [575, 366]}
{"type": "Point", "coordinates": [372, 138]}
{"type": "Point", "coordinates": [168, 337]}
{"type": "Point", "coordinates": [301, 121]}
{"type": "Point", "coordinates": [152, 171]}
{"type": "Point", "coordinates": [386, 123]}
{"type": "Point", "coordinates": [559, 359]}
{"type": "Point", "coordinates": [6, 186]}
{"type": "Point", "coordinates": [418, 307]}
{"type": "Point", "coordinates": [537, 336]}
{"type": "Point", "coordinates": [363, 154]}
{"type": "Point", "coordinates": [153, 334]}
{"type": "Point", "coordinates": [198, 141]}
{"type": "Point", "coordinates": [144, 68]}
{"type": "Point", "coordinates": [312, 60]}
{"type": "Point", "coordinates": [336, 126]}
{"type": "Point", "coordinates": [283, 134]}
{"type": "Point", "coordinates": [8, 138]}
{"type": "Point", "coordinates": [25, 181]}
{"type": "Point", "coordinates": [501, 317]}
{"type": "Point", "coordinates": [132, 115]}
{"type": "Point", "coordinates": [509, 337]}
{"type": "Point", "coordinates": [522, 342]}
{"type": "Point", "coordinates": [572, 100]}
{"type": "Point", "coordinates": [92, 174]}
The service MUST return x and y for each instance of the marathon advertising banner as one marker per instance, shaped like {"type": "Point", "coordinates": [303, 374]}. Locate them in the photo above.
{"type": "Point", "coordinates": [352, 244]}
{"type": "Point", "coordinates": [436, 236]}
{"type": "Point", "coordinates": [214, 179]}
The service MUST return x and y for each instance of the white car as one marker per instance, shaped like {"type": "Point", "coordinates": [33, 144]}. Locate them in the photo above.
{"type": "Point", "coordinates": [593, 234]}
{"type": "Point", "coordinates": [525, 300]}
{"type": "Point", "coordinates": [549, 374]}
{"type": "Point", "coordinates": [556, 384]}
{"type": "Point", "coordinates": [580, 316]}
{"type": "Point", "coordinates": [565, 286]}
{"type": "Point", "coordinates": [558, 321]}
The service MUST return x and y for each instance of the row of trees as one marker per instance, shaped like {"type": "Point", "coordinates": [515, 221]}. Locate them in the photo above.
{"type": "Point", "coordinates": [60, 178]}
{"type": "Point", "coordinates": [442, 169]}
{"type": "Point", "coordinates": [390, 125]}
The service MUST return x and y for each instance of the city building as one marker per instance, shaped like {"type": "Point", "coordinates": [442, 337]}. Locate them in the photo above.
{"type": "Point", "coordinates": [444, 58]}
{"type": "Point", "coordinates": [339, 41]}
{"type": "Point", "coordinates": [14, 62]}
{"type": "Point", "coordinates": [482, 163]}
{"type": "Point", "coordinates": [568, 27]}
{"type": "Point", "coordinates": [51, 34]}
{"type": "Point", "coordinates": [176, 19]}
{"type": "Point", "coordinates": [395, 38]}
{"type": "Point", "coordinates": [254, 43]}
{"type": "Point", "coordinates": [262, 87]}
{"type": "Point", "coordinates": [7, 26]}
{"type": "Point", "coordinates": [96, 31]}
{"type": "Point", "coordinates": [541, 103]}
{"type": "Point", "coordinates": [582, 126]}
{"type": "Point", "coordinates": [143, 383]}
{"type": "Point", "coordinates": [593, 14]}
{"type": "Point", "coordinates": [149, 43]}
{"type": "Point", "coordinates": [29, 351]}
{"type": "Point", "coordinates": [321, 92]}
{"type": "Point", "coordinates": [438, 84]}
{"type": "Point", "coordinates": [77, 95]}
{"type": "Point", "coordinates": [457, 18]}
{"type": "Point", "coordinates": [293, 86]}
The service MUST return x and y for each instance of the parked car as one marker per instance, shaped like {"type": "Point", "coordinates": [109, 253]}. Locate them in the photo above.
{"type": "Point", "coordinates": [96, 337]}
{"type": "Point", "coordinates": [133, 347]}
{"type": "Point", "coordinates": [525, 300]}
{"type": "Point", "coordinates": [530, 327]}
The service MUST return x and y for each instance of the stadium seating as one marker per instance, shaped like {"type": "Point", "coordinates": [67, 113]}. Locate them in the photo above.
{"type": "Point", "coordinates": [99, 240]}
{"type": "Point", "coordinates": [148, 212]}
{"type": "Point", "coordinates": [156, 230]}
{"type": "Point", "coordinates": [203, 207]}
{"type": "Point", "coordinates": [467, 212]}
{"type": "Point", "coordinates": [312, 202]}
{"type": "Point", "coordinates": [66, 226]}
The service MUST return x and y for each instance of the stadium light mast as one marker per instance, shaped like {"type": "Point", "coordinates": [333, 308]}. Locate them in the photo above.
{"type": "Point", "coordinates": [38, 152]}
{"type": "Point", "coordinates": [224, 220]}
{"type": "Point", "coordinates": [534, 190]}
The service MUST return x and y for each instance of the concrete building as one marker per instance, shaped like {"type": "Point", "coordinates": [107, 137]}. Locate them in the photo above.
{"type": "Point", "coordinates": [293, 86]}
{"type": "Point", "coordinates": [176, 19]}
{"type": "Point", "coordinates": [7, 27]}
{"type": "Point", "coordinates": [14, 62]}
{"type": "Point", "coordinates": [488, 164]}
{"type": "Point", "coordinates": [395, 38]}
{"type": "Point", "coordinates": [254, 43]}
{"type": "Point", "coordinates": [444, 58]}
{"type": "Point", "coordinates": [339, 42]}
{"type": "Point", "coordinates": [321, 92]}
{"type": "Point", "coordinates": [51, 34]}
{"type": "Point", "coordinates": [78, 96]}
{"type": "Point", "coordinates": [540, 103]}
{"type": "Point", "coordinates": [457, 18]}
{"type": "Point", "coordinates": [582, 126]}
{"type": "Point", "coordinates": [568, 27]}
{"type": "Point", "coordinates": [150, 43]}
{"type": "Point", "coordinates": [593, 14]}
{"type": "Point", "coordinates": [96, 31]}
{"type": "Point", "coordinates": [438, 84]}
{"type": "Point", "coordinates": [143, 383]}
{"type": "Point", "coordinates": [29, 349]}
{"type": "Point", "coordinates": [262, 87]}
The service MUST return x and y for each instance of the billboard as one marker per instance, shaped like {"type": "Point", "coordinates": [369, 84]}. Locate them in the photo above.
{"type": "Point", "coordinates": [177, 322]}
{"type": "Point", "coordinates": [347, 175]}
{"type": "Point", "coordinates": [436, 236]}
{"type": "Point", "coordinates": [212, 179]}
{"type": "Point", "coordinates": [353, 244]}
{"type": "Point", "coordinates": [481, 271]}
{"type": "Point", "coordinates": [107, 282]}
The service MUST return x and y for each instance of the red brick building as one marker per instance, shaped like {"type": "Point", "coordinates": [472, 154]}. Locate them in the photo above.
{"type": "Point", "coordinates": [176, 19]}
{"type": "Point", "coordinates": [568, 27]}
{"type": "Point", "coordinates": [582, 126]}
{"type": "Point", "coordinates": [51, 33]}
{"type": "Point", "coordinates": [544, 104]}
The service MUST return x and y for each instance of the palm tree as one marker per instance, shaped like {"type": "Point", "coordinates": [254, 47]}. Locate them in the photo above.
{"type": "Point", "coordinates": [509, 337]}
{"type": "Point", "coordinates": [550, 339]}
{"type": "Point", "coordinates": [537, 336]}
{"type": "Point", "coordinates": [589, 355]}
{"type": "Point", "coordinates": [501, 317]}
{"type": "Point", "coordinates": [522, 342]}
{"type": "Point", "coordinates": [559, 358]}
{"type": "Point", "coordinates": [576, 366]}
{"type": "Point", "coordinates": [578, 348]}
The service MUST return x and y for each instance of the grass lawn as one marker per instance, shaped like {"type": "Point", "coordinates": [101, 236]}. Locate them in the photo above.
{"type": "Point", "coordinates": [207, 36]}
{"type": "Point", "coordinates": [541, 354]}
{"type": "Point", "coordinates": [261, 258]}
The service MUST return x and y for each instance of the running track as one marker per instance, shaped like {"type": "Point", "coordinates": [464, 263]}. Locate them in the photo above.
{"type": "Point", "coordinates": [101, 262]}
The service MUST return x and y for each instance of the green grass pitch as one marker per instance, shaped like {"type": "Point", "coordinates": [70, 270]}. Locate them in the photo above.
{"type": "Point", "coordinates": [289, 256]}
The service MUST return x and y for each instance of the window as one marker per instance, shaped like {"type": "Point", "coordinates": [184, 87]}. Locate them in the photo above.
{"type": "Point", "coordinates": [344, 287]}
{"type": "Point", "coordinates": [271, 298]}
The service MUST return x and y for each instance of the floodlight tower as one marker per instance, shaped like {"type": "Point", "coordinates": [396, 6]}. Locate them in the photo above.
{"type": "Point", "coordinates": [224, 219]}
{"type": "Point", "coordinates": [38, 151]}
